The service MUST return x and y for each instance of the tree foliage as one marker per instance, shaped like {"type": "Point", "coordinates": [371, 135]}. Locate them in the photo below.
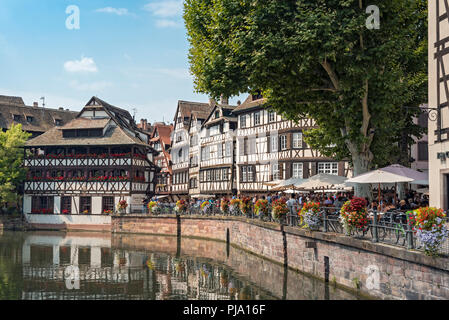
{"type": "Point", "coordinates": [317, 58]}
{"type": "Point", "coordinates": [12, 172]}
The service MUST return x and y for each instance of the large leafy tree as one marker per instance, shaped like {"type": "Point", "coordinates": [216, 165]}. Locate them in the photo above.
{"type": "Point", "coordinates": [317, 58]}
{"type": "Point", "coordinates": [12, 172]}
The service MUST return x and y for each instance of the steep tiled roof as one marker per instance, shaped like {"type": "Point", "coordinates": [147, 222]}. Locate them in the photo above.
{"type": "Point", "coordinates": [124, 132]}
{"type": "Point", "coordinates": [113, 136]}
{"type": "Point", "coordinates": [201, 110]}
{"type": "Point", "coordinates": [249, 104]}
{"type": "Point", "coordinates": [42, 119]}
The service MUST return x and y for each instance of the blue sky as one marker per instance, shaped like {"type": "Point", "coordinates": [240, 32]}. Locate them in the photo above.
{"type": "Point", "coordinates": [133, 54]}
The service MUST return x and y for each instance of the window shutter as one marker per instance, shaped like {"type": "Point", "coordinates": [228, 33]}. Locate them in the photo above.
{"type": "Point", "coordinates": [313, 169]}
{"type": "Point", "coordinates": [305, 170]}
{"type": "Point", "coordinates": [289, 141]}
{"type": "Point", "coordinates": [288, 170]}
{"type": "Point", "coordinates": [341, 169]}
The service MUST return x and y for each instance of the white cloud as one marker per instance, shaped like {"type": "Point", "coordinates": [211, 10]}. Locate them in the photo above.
{"type": "Point", "coordinates": [179, 73]}
{"type": "Point", "coordinates": [165, 9]}
{"type": "Point", "coordinates": [117, 11]}
{"type": "Point", "coordinates": [165, 23]}
{"type": "Point", "coordinates": [83, 65]}
{"type": "Point", "coordinates": [93, 86]}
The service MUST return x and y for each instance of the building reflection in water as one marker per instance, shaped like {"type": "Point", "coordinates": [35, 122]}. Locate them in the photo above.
{"type": "Point", "coordinates": [61, 266]}
{"type": "Point", "coordinates": [104, 272]}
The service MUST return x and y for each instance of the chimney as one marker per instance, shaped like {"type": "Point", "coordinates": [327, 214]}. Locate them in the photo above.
{"type": "Point", "coordinates": [35, 104]}
{"type": "Point", "coordinates": [212, 101]}
{"type": "Point", "coordinates": [145, 122]}
{"type": "Point", "coordinates": [61, 108]}
{"type": "Point", "coordinates": [223, 100]}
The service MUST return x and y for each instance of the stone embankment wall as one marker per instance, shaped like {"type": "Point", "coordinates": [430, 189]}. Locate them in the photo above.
{"type": "Point", "coordinates": [12, 223]}
{"type": "Point", "coordinates": [377, 269]}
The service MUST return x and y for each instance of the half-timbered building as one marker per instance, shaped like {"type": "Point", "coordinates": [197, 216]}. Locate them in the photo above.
{"type": "Point", "coordinates": [270, 148]}
{"type": "Point", "coordinates": [196, 123]}
{"type": "Point", "coordinates": [89, 164]}
{"type": "Point", "coordinates": [181, 145]}
{"type": "Point", "coordinates": [438, 109]}
{"type": "Point", "coordinates": [217, 143]}
{"type": "Point", "coordinates": [161, 143]}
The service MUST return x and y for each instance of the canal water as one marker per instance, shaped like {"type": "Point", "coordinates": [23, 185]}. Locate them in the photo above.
{"type": "Point", "coordinates": [79, 266]}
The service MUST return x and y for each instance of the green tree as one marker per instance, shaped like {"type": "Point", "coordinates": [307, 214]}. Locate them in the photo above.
{"type": "Point", "coordinates": [12, 172]}
{"type": "Point", "coordinates": [317, 58]}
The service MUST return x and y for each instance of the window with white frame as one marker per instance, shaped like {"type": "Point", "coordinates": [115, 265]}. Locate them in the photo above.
{"type": "Point", "coordinates": [328, 167]}
{"type": "Point", "coordinates": [244, 176]}
{"type": "Point", "coordinates": [283, 142]}
{"type": "Point", "coordinates": [274, 143]}
{"type": "Point", "coordinates": [297, 140]}
{"type": "Point", "coordinates": [214, 130]}
{"type": "Point", "coordinates": [250, 174]}
{"type": "Point", "coordinates": [271, 116]}
{"type": "Point", "coordinates": [275, 171]}
{"type": "Point", "coordinates": [297, 170]}
{"type": "Point", "coordinates": [243, 121]}
{"type": "Point", "coordinates": [257, 118]}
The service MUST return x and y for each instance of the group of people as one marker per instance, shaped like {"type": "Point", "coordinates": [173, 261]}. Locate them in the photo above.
{"type": "Point", "coordinates": [388, 201]}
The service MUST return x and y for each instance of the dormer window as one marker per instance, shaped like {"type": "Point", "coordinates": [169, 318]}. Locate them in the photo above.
{"type": "Point", "coordinates": [30, 119]}
{"type": "Point", "coordinates": [58, 122]}
{"type": "Point", "coordinates": [17, 117]}
{"type": "Point", "coordinates": [217, 114]}
{"type": "Point", "coordinates": [82, 133]}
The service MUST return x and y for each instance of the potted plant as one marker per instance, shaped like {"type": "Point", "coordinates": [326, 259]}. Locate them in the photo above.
{"type": "Point", "coordinates": [429, 226]}
{"type": "Point", "coordinates": [354, 216]}
{"type": "Point", "coordinates": [310, 215]}
{"type": "Point", "coordinates": [280, 209]}
{"type": "Point", "coordinates": [261, 208]}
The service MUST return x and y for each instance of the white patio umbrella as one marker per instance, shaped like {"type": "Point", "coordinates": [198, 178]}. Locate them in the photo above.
{"type": "Point", "coordinates": [203, 196]}
{"type": "Point", "coordinates": [288, 184]}
{"type": "Point", "coordinates": [322, 181]}
{"type": "Point", "coordinates": [417, 176]}
{"type": "Point", "coordinates": [377, 177]}
{"type": "Point", "coordinates": [271, 183]}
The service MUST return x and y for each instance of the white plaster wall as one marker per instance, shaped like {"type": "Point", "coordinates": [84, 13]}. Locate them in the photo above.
{"type": "Point", "coordinates": [27, 203]}
{"type": "Point", "coordinates": [75, 205]}
{"type": "Point", "coordinates": [68, 219]}
{"type": "Point", "coordinates": [96, 205]}
{"type": "Point", "coordinates": [57, 205]}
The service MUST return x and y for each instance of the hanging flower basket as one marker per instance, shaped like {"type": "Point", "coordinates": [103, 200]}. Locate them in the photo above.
{"type": "Point", "coordinates": [206, 207]}
{"type": "Point", "coordinates": [261, 208]}
{"type": "Point", "coordinates": [246, 205]}
{"type": "Point", "coordinates": [234, 207]}
{"type": "Point", "coordinates": [151, 205]}
{"type": "Point", "coordinates": [121, 206]}
{"type": "Point", "coordinates": [429, 226]}
{"type": "Point", "coordinates": [181, 206]}
{"type": "Point", "coordinates": [310, 215]}
{"type": "Point", "coordinates": [279, 210]}
{"type": "Point", "coordinates": [354, 216]}
{"type": "Point", "coordinates": [224, 206]}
